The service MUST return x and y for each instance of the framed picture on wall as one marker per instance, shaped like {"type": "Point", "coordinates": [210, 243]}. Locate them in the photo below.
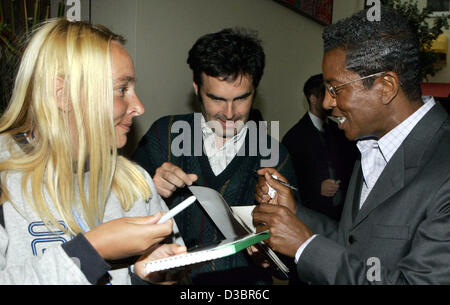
{"type": "Point", "coordinates": [318, 10]}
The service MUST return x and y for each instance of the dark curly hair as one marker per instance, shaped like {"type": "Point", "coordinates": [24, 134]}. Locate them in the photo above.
{"type": "Point", "coordinates": [229, 53]}
{"type": "Point", "coordinates": [390, 44]}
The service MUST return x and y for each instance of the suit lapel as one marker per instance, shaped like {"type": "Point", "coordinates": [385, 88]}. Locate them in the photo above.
{"type": "Point", "coordinates": [390, 182]}
{"type": "Point", "coordinates": [357, 194]}
{"type": "Point", "coordinates": [405, 163]}
{"type": "Point", "coordinates": [347, 212]}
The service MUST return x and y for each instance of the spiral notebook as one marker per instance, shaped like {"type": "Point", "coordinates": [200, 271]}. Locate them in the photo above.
{"type": "Point", "coordinates": [213, 251]}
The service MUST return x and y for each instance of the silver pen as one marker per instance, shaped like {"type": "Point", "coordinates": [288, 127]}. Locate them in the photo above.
{"type": "Point", "coordinates": [282, 182]}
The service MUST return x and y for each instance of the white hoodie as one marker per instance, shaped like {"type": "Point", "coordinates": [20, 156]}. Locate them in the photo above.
{"type": "Point", "coordinates": [30, 254]}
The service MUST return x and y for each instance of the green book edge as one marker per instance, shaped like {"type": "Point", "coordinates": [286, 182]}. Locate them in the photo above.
{"type": "Point", "coordinates": [246, 242]}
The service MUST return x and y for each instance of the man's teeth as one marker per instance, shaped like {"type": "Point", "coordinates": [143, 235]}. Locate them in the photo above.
{"type": "Point", "coordinates": [338, 119]}
{"type": "Point", "coordinates": [341, 119]}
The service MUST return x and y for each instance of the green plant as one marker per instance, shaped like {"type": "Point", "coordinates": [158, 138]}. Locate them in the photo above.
{"type": "Point", "coordinates": [428, 29]}
{"type": "Point", "coordinates": [15, 25]}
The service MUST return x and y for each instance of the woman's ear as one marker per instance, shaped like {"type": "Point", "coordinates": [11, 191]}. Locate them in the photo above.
{"type": "Point", "coordinates": [391, 87]}
{"type": "Point", "coordinates": [62, 98]}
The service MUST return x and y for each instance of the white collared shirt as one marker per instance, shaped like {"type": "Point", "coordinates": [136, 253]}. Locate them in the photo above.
{"type": "Point", "coordinates": [384, 149]}
{"type": "Point", "coordinates": [317, 122]}
{"type": "Point", "coordinates": [376, 154]}
{"type": "Point", "coordinates": [221, 154]}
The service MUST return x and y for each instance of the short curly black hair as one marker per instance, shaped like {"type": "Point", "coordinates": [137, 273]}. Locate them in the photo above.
{"type": "Point", "coordinates": [390, 44]}
{"type": "Point", "coordinates": [229, 53]}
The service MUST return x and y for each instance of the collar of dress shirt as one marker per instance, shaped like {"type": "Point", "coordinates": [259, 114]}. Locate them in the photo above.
{"type": "Point", "coordinates": [391, 141]}
{"type": "Point", "coordinates": [317, 122]}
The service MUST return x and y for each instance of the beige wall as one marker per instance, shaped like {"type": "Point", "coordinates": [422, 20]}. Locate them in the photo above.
{"type": "Point", "coordinates": [160, 33]}
{"type": "Point", "coordinates": [346, 8]}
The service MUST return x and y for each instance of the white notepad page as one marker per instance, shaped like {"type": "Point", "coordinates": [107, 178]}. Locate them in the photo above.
{"type": "Point", "coordinates": [218, 250]}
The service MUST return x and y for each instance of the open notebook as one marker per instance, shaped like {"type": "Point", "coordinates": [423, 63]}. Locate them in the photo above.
{"type": "Point", "coordinates": [234, 221]}
{"type": "Point", "coordinates": [213, 251]}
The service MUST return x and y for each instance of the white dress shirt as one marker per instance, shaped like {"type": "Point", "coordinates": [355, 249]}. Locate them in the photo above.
{"type": "Point", "coordinates": [376, 154]}
{"type": "Point", "coordinates": [317, 122]}
{"type": "Point", "coordinates": [220, 153]}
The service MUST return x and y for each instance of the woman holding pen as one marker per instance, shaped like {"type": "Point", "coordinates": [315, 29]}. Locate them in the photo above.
{"type": "Point", "coordinates": [72, 206]}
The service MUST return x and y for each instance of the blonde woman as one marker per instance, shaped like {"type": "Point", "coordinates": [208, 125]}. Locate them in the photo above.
{"type": "Point", "coordinates": [72, 207]}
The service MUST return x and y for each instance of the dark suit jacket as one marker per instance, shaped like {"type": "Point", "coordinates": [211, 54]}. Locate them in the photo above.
{"type": "Point", "coordinates": [404, 222]}
{"type": "Point", "coordinates": [312, 154]}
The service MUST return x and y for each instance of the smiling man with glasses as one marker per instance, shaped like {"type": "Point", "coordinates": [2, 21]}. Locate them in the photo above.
{"type": "Point", "coordinates": [397, 209]}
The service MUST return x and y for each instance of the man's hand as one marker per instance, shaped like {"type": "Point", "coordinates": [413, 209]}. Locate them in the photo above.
{"type": "Point", "coordinates": [283, 194]}
{"type": "Point", "coordinates": [128, 236]}
{"type": "Point", "coordinates": [165, 277]}
{"type": "Point", "coordinates": [168, 177]}
{"type": "Point", "coordinates": [329, 188]}
{"type": "Point", "coordinates": [287, 232]}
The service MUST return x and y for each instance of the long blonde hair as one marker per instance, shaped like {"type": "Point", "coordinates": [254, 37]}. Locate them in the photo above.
{"type": "Point", "coordinates": [77, 54]}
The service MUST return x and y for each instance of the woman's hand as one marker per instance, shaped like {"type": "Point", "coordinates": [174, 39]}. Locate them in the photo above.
{"type": "Point", "coordinates": [165, 277]}
{"type": "Point", "coordinates": [129, 236]}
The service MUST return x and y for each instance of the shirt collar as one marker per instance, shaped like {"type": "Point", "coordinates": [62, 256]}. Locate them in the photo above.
{"type": "Point", "coordinates": [208, 133]}
{"type": "Point", "coordinates": [391, 141]}
{"type": "Point", "coordinates": [317, 122]}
